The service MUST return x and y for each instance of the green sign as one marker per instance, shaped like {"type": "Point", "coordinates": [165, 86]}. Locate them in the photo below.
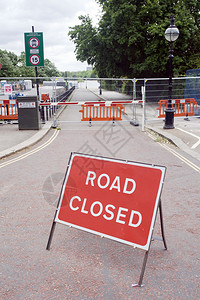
{"type": "Point", "coordinates": [34, 49]}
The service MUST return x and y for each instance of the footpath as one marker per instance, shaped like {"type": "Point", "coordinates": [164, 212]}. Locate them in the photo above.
{"type": "Point", "coordinates": [185, 135]}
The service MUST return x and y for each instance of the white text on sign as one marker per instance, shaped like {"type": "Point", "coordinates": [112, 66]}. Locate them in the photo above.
{"type": "Point", "coordinates": [129, 182]}
{"type": "Point", "coordinates": [109, 212]}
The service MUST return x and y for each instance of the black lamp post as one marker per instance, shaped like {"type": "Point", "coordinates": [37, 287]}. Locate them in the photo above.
{"type": "Point", "coordinates": [171, 35]}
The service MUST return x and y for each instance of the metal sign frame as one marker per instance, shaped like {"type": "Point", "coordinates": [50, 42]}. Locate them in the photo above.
{"type": "Point", "coordinates": [64, 202]}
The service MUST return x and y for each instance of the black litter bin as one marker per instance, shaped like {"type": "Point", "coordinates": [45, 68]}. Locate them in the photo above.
{"type": "Point", "coordinates": [28, 113]}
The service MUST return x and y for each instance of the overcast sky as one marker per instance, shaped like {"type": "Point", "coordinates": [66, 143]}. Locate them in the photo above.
{"type": "Point", "coordinates": [51, 17]}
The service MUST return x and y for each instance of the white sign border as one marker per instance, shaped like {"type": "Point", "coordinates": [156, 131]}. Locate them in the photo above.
{"type": "Point", "coordinates": [163, 170]}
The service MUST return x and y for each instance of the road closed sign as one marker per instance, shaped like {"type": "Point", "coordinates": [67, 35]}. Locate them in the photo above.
{"type": "Point", "coordinates": [113, 198]}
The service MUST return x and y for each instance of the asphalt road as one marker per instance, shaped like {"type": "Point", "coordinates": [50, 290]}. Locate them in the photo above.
{"type": "Point", "coordinates": [81, 265]}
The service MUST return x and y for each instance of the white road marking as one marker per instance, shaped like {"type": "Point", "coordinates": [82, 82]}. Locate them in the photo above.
{"type": "Point", "coordinates": [194, 135]}
{"type": "Point", "coordinates": [182, 158]}
{"type": "Point", "coordinates": [185, 160]}
{"type": "Point", "coordinates": [52, 138]}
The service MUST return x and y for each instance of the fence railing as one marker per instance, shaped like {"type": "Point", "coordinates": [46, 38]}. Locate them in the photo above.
{"type": "Point", "coordinates": [9, 110]}
{"type": "Point", "coordinates": [48, 111]}
{"type": "Point", "coordinates": [156, 89]}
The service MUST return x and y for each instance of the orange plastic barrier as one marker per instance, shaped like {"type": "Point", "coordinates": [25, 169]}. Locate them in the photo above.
{"type": "Point", "coordinates": [101, 112]}
{"type": "Point", "coordinates": [182, 107]}
{"type": "Point", "coordinates": [8, 110]}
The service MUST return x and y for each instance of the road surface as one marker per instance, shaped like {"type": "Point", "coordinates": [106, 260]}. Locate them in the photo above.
{"type": "Point", "coordinates": [81, 265]}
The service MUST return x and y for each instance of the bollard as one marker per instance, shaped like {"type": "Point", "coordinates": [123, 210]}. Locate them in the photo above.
{"type": "Point", "coordinates": [55, 122]}
{"type": "Point", "coordinates": [113, 122]}
{"type": "Point", "coordinates": [186, 118]}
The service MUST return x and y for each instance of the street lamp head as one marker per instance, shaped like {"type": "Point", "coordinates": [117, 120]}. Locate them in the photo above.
{"type": "Point", "coordinates": [172, 32]}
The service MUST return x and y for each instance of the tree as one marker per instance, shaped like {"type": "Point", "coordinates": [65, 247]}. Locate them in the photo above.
{"type": "Point", "coordinates": [7, 60]}
{"type": "Point", "coordinates": [129, 40]}
{"type": "Point", "coordinates": [80, 74]}
{"type": "Point", "coordinates": [84, 37]}
{"type": "Point", "coordinates": [15, 66]}
{"type": "Point", "coordinates": [49, 69]}
{"type": "Point", "coordinates": [22, 69]}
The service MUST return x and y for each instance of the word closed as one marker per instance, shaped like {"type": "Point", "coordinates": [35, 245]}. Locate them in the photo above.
{"type": "Point", "coordinates": [112, 198]}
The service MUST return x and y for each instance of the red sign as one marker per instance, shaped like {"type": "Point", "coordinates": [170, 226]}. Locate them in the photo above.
{"type": "Point", "coordinates": [7, 89]}
{"type": "Point", "coordinates": [113, 198]}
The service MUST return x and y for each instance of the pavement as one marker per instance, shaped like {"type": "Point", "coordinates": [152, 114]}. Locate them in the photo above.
{"type": "Point", "coordinates": [185, 135]}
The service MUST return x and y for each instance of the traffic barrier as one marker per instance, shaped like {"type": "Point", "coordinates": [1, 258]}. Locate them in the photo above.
{"type": "Point", "coordinates": [102, 112]}
{"type": "Point", "coordinates": [8, 110]}
{"type": "Point", "coordinates": [92, 103]}
{"type": "Point", "coordinates": [182, 107]}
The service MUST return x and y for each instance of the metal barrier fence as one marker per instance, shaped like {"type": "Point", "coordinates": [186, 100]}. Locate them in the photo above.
{"type": "Point", "coordinates": [48, 111]}
{"type": "Point", "coordinates": [156, 89]}
{"type": "Point", "coordinates": [9, 111]}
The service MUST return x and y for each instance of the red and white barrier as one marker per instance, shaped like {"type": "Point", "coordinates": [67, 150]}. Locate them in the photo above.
{"type": "Point", "coordinates": [93, 103]}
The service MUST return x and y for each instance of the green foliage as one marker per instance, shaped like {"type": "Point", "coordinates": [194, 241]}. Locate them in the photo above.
{"type": "Point", "coordinates": [80, 74]}
{"type": "Point", "coordinates": [129, 40]}
{"type": "Point", "coordinates": [49, 70]}
{"type": "Point", "coordinates": [22, 69]}
{"type": "Point", "coordinates": [15, 66]}
{"type": "Point", "coordinates": [7, 60]}
{"type": "Point", "coordinates": [84, 37]}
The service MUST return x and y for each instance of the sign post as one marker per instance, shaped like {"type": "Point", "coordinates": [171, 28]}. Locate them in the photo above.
{"type": "Point", "coordinates": [112, 198]}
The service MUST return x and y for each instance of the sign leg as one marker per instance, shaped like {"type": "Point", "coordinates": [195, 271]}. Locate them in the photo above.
{"type": "Point", "coordinates": [51, 235]}
{"type": "Point", "coordinates": [162, 225]}
{"type": "Point", "coordinates": [139, 284]}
